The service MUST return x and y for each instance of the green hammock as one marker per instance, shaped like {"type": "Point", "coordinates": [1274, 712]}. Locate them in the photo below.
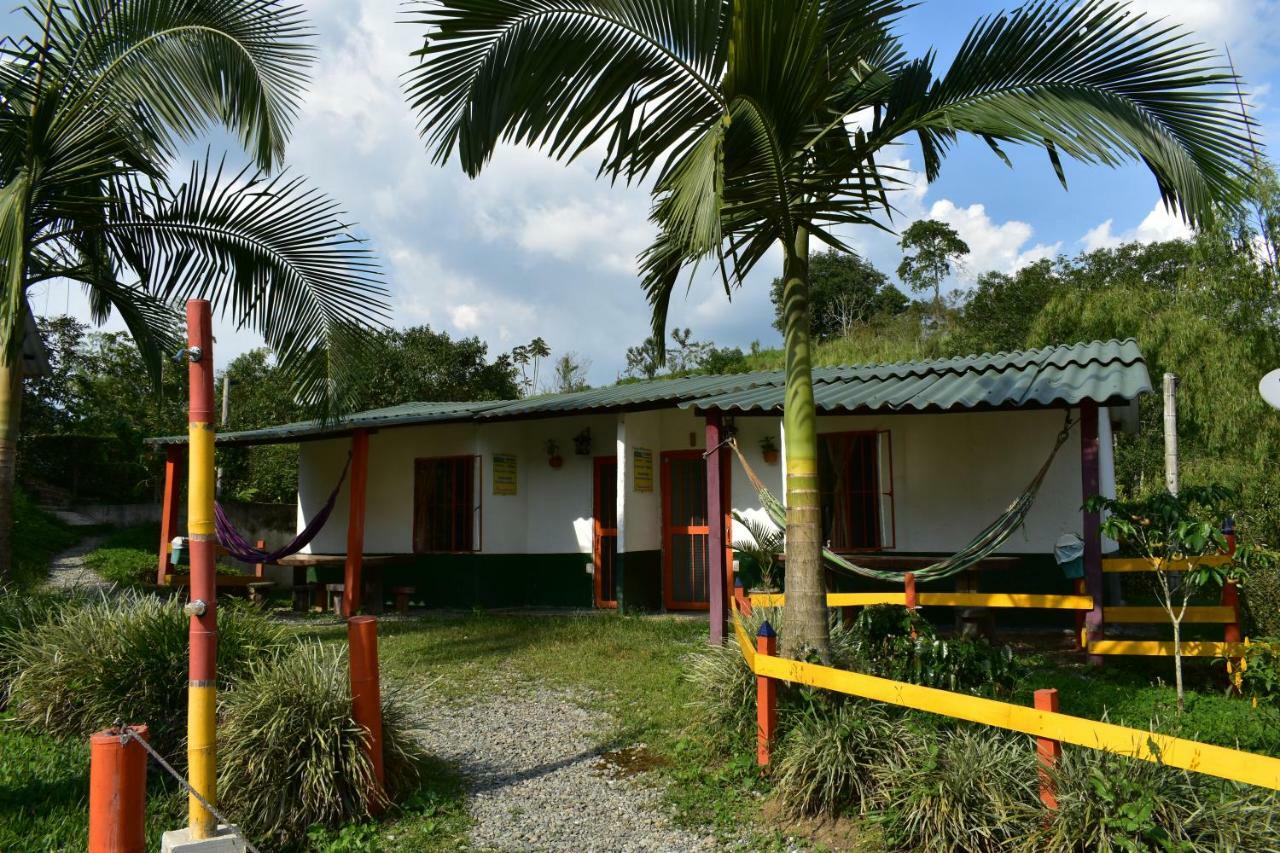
{"type": "Point", "coordinates": [982, 546]}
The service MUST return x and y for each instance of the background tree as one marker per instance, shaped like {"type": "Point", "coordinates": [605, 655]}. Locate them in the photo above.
{"type": "Point", "coordinates": [646, 360]}
{"type": "Point", "coordinates": [421, 365]}
{"type": "Point", "coordinates": [527, 357]}
{"type": "Point", "coordinates": [844, 289]}
{"type": "Point", "coordinates": [931, 251]}
{"type": "Point", "coordinates": [93, 110]}
{"type": "Point", "coordinates": [740, 111]}
{"type": "Point", "coordinates": [571, 373]}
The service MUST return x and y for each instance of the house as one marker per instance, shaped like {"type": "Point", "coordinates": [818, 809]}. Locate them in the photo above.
{"type": "Point", "coordinates": [609, 497]}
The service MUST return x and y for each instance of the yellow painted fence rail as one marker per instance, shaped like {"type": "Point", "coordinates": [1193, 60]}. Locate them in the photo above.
{"type": "Point", "coordinates": [1232, 764]}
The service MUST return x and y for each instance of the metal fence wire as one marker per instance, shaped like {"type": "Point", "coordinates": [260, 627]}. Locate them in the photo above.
{"type": "Point", "coordinates": [127, 734]}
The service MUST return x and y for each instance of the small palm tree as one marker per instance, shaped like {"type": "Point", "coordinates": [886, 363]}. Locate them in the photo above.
{"type": "Point", "coordinates": [766, 122]}
{"type": "Point", "coordinates": [92, 110]}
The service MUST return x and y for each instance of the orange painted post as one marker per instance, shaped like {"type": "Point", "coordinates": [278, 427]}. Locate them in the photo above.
{"type": "Point", "coordinates": [909, 582]}
{"type": "Point", "coordinates": [169, 510]}
{"type": "Point", "coordinates": [740, 596]}
{"type": "Point", "coordinates": [117, 793]}
{"type": "Point", "coordinates": [366, 697]}
{"type": "Point", "coordinates": [359, 478]}
{"type": "Point", "coordinates": [1048, 750]}
{"type": "Point", "coordinates": [766, 696]}
{"type": "Point", "coordinates": [848, 615]}
{"type": "Point", "coordinates": [260, 569]}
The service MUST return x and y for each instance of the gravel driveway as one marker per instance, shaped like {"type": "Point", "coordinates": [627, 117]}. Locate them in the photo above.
{"type": "Point", "coordinates": [538, 781]}
{"type": "Point", "coordinates": [67, 570]}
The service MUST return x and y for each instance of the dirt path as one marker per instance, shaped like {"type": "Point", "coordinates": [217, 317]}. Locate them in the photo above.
{"type": "Point", "coordinates": [67, 570]}
{"type": "Point", "coordinates": [538, 780]}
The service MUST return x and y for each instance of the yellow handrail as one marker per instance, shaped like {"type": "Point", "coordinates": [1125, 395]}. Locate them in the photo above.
{"type": "Point", "coordinates": [1116, 565]}
{"type": "Point", "coordinates": [943, 599]}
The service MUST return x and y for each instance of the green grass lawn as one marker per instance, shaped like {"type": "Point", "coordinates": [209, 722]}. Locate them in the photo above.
{"type": "Point", "coordinates": [37, 537]}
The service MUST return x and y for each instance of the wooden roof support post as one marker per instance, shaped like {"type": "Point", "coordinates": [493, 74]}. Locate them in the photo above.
{"type": "Point", "coordinates": [358, 480]}
{"type": "Point", "coordinates": [173, 459]}
{"type": "Point", "coordinates": [1090, 483]}
{"type": "Point", "coordinates": [717, 522]}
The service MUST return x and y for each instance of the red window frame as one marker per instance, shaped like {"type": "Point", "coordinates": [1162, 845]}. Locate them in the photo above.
{"type": "Point", "coordinates": [461, 500]}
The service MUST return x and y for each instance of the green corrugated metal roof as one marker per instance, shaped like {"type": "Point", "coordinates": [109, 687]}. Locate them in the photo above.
{"type": "Point", "coordinates": [1064, 375]}
{"type": "Point", "coordinates": [1104, 371]}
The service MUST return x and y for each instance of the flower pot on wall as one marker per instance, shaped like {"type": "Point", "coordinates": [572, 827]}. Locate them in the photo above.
{"type": "Point", "coordinates": [770, 457]}
{"type": "Point", "coordinates": [555, 461]}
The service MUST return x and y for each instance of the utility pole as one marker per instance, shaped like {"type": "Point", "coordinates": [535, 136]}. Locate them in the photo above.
{"type": "Point", "coordinates": [1171, 433]}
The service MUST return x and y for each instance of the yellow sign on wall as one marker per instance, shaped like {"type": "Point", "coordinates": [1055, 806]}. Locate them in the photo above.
{"type": "Point", "coordinates": [504, 473]}
{"type": "Point", "coordinates": [642, 464]}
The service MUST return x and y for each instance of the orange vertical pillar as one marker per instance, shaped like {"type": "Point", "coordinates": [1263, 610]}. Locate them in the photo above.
{"type": "Point", "coordinates": [117, 793]}
{"type": "Point", "coordinates": [766, 697]}
{"type": "Point", "coordinates": [1092, 522]}
{"type": "Point", "coordinates": [356, 484]}
{"type": "Point", "coordinates": [169, 510]}
{"type": "Point", "coordinates": [1048, 750]}
{"type": "Point", "coordinates": [741, 598]}
{"type": "Point", "coordinates": [366, 696]}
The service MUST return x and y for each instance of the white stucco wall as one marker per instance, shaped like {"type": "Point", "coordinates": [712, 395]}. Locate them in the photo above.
{"type": "Point", "coordinates": [639, 513]}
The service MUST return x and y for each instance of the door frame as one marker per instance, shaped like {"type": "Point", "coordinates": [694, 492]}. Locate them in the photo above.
{"type": "Point", "coordinates": [667, 530]}
{"type": "Point", "coordinates": [598, 532]}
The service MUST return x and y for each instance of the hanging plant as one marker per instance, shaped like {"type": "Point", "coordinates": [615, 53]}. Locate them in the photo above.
{"type": "Point", "coordinates": [554, 459]}
{"type": "Point", "coordinates": [582, 442]}
{"type": "Point", "coordinates": [769, 450]}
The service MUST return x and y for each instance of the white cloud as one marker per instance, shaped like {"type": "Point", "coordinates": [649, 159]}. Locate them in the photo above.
{"type": "Point", "coordinates": [992, 246]}
{"type": "Point", "coordinates": [1158, 225]}
{"type": "Point", "coordinates": [1249, 27]}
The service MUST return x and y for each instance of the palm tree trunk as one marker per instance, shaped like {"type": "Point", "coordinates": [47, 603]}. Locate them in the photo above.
{"type": "Point", "coordinates": [806, 606]}
{"type": "Point", "coordinates": [10, 418]}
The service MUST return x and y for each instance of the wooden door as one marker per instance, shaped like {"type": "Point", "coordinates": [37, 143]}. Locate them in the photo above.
{"type": "Point", "coordinates": [686, 580]}
{"type": "Point", "coordinates": [604, 540]}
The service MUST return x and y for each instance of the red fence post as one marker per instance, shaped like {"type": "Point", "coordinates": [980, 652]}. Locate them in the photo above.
{"type": "Point", "coordinates": [909, 583]}
{"type": "Point", "coordinates": [366, 697]}
{"type": "Point", "coordinates": [766, 696]}
{"type": "Point", "coordinates": [117, 793]}
{"type": "Point", "coordinates": [1048, 750]}
{"type": "Point", "coordinates": [741, 597]}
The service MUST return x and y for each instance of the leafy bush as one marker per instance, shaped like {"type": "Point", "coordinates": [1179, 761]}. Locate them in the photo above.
{"type": "Point", "coordinates": [292, 757]}
{"type": "Point", "coordinates": [1260, 675]}
{"type": "Point", "coordinates": [1108, 802]}
{"type": "Point", "coordinates": [830, 754]}
{"type": "Point", "coordinates": [962, 789]}
{"type": "Point", "coordinates": [880, 642]}
{"type": "Point", "coordinates": [124, 657]}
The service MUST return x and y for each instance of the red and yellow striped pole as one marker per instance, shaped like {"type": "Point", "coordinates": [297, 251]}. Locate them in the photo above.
{"type": "Point", "coordinates": [202, 747]}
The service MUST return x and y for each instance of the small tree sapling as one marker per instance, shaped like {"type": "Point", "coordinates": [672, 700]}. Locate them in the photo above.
{"type": "Point", "coordinates": [1168, 528]}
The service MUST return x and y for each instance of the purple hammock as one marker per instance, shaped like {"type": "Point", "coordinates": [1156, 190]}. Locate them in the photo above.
{"type": "Point", "coordinates": [241, 549]}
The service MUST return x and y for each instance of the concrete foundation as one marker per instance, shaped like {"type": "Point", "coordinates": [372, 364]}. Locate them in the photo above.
{"type": "Point", "coordinates": [224, 840]}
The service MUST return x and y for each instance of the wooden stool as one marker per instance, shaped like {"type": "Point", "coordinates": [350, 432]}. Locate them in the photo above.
{"type": "Point", "coordinates": [402, 594]}
{"type": "Point", "coordinates": [302, 597]}
{"type": "Point", "coordinates": [335, 597]}
{"type": "Point", "coordinates": [258, 591]}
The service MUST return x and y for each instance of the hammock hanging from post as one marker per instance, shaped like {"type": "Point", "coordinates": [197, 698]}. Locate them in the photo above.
{"type": "Point", "coordinates": [982, 546]}
{"type": "Point", "coordinates": [241, 549]}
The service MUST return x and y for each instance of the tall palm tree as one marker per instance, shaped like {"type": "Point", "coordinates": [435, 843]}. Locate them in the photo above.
{"type": "Point", "coordinates": [762, 123]}
{"type": "Point", "coordinates": [92, 111]}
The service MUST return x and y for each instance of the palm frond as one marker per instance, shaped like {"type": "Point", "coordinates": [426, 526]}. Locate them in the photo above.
{"type": "Point", "coordinates": [1093, 81]}
{"type": "Point", "coordinates": [273, 254]}
{"type": "Point", "coordinates": [640, 76]}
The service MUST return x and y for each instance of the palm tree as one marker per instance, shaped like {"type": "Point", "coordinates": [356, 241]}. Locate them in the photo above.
{"type": "Point", "coordinates": [764, 123]}
{"type": "Point", "coordinates": [92, 111]}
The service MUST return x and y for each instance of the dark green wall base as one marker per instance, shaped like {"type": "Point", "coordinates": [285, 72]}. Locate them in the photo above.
{"type": "Point", "coordinates": [640, 581]}
{"type": "Point", "coordinates": [488, 580]}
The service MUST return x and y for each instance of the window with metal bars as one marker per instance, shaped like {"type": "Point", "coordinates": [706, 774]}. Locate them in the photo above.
{"type": "Point", "coordinates": [445, 505]}
{"type": "Point", "coordinates": [851, 488]}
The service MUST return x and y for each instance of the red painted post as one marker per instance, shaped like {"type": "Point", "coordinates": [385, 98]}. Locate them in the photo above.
{"type": "Point", "coordinates": [1048, 750]}
{"type": "Point", "coordinates": [740, 596]}
{"type": "Point", "coordinates": [117, 793]}
{"type": "Point", "coordinates": [909, 583]}
{"type": "Point", "coordinates": [260, 569]}
{"type": "Point", "coordinates": [848, 615]}
{"type": "Point", "coordinates": [1092, 522]}
{"type": "Point", "coordinates": [716, 558]}
{"type": "Point", "coordinates": [358, 479]}
{"type": "Point", "coordinates": [766, 696]}
{"type": "Point", "coordinates": [366, 696]}
{"type": "Point", "coordinates": [169, 510]}
{"type": "Point", "coordinates": [1231, 598]}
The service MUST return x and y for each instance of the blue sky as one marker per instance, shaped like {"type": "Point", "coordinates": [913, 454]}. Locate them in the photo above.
{"type": "Point", "coordinates": [536, 248]}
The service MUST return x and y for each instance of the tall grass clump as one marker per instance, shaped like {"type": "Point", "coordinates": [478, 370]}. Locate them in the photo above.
{"type": "Point", "coordinates": [126, 658]}
{"type": "Point", "coordinates": [830, 756]}
{"type": "Point", "coordinates": [1110, 802]}
{"type": "Point", "coordinates": [20, 609]}
{"type": "Point", "coordinates": [725, 687]}
{"type": "Point", "coordinates": [291, 755]}
{"type": "Point", "coordinates": [962, 789]}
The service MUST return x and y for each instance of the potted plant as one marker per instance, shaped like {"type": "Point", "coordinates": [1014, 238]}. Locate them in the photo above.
{"type": "Point", "coordinates": [553, 453]}
{"type": "Point", "coordinates": [763, 549]}
{"type": "Point", "coordinates": [769, 449]}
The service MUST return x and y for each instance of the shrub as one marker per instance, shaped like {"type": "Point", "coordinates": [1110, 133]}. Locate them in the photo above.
{"type": "Point", "coordinates": [1109, 802]}
{"type": "Point", "coordinates": [880, 642]}
{"type": "Point", "coordinates": [830, 754]}
{"type": "Point", "coordinates": [20, 608]}
{"type": "Point", "coordinates": [961, 789]}
{"type": "Point", "coordinates": [725, 687]}
{"type": "Point", "coordinates": [124, 657]}
{"type": "Point", "coordinates": [292, 757]}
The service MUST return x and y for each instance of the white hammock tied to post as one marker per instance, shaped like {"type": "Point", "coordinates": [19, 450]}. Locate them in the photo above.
{"type": "Point", "coordinates": [982, 546]}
